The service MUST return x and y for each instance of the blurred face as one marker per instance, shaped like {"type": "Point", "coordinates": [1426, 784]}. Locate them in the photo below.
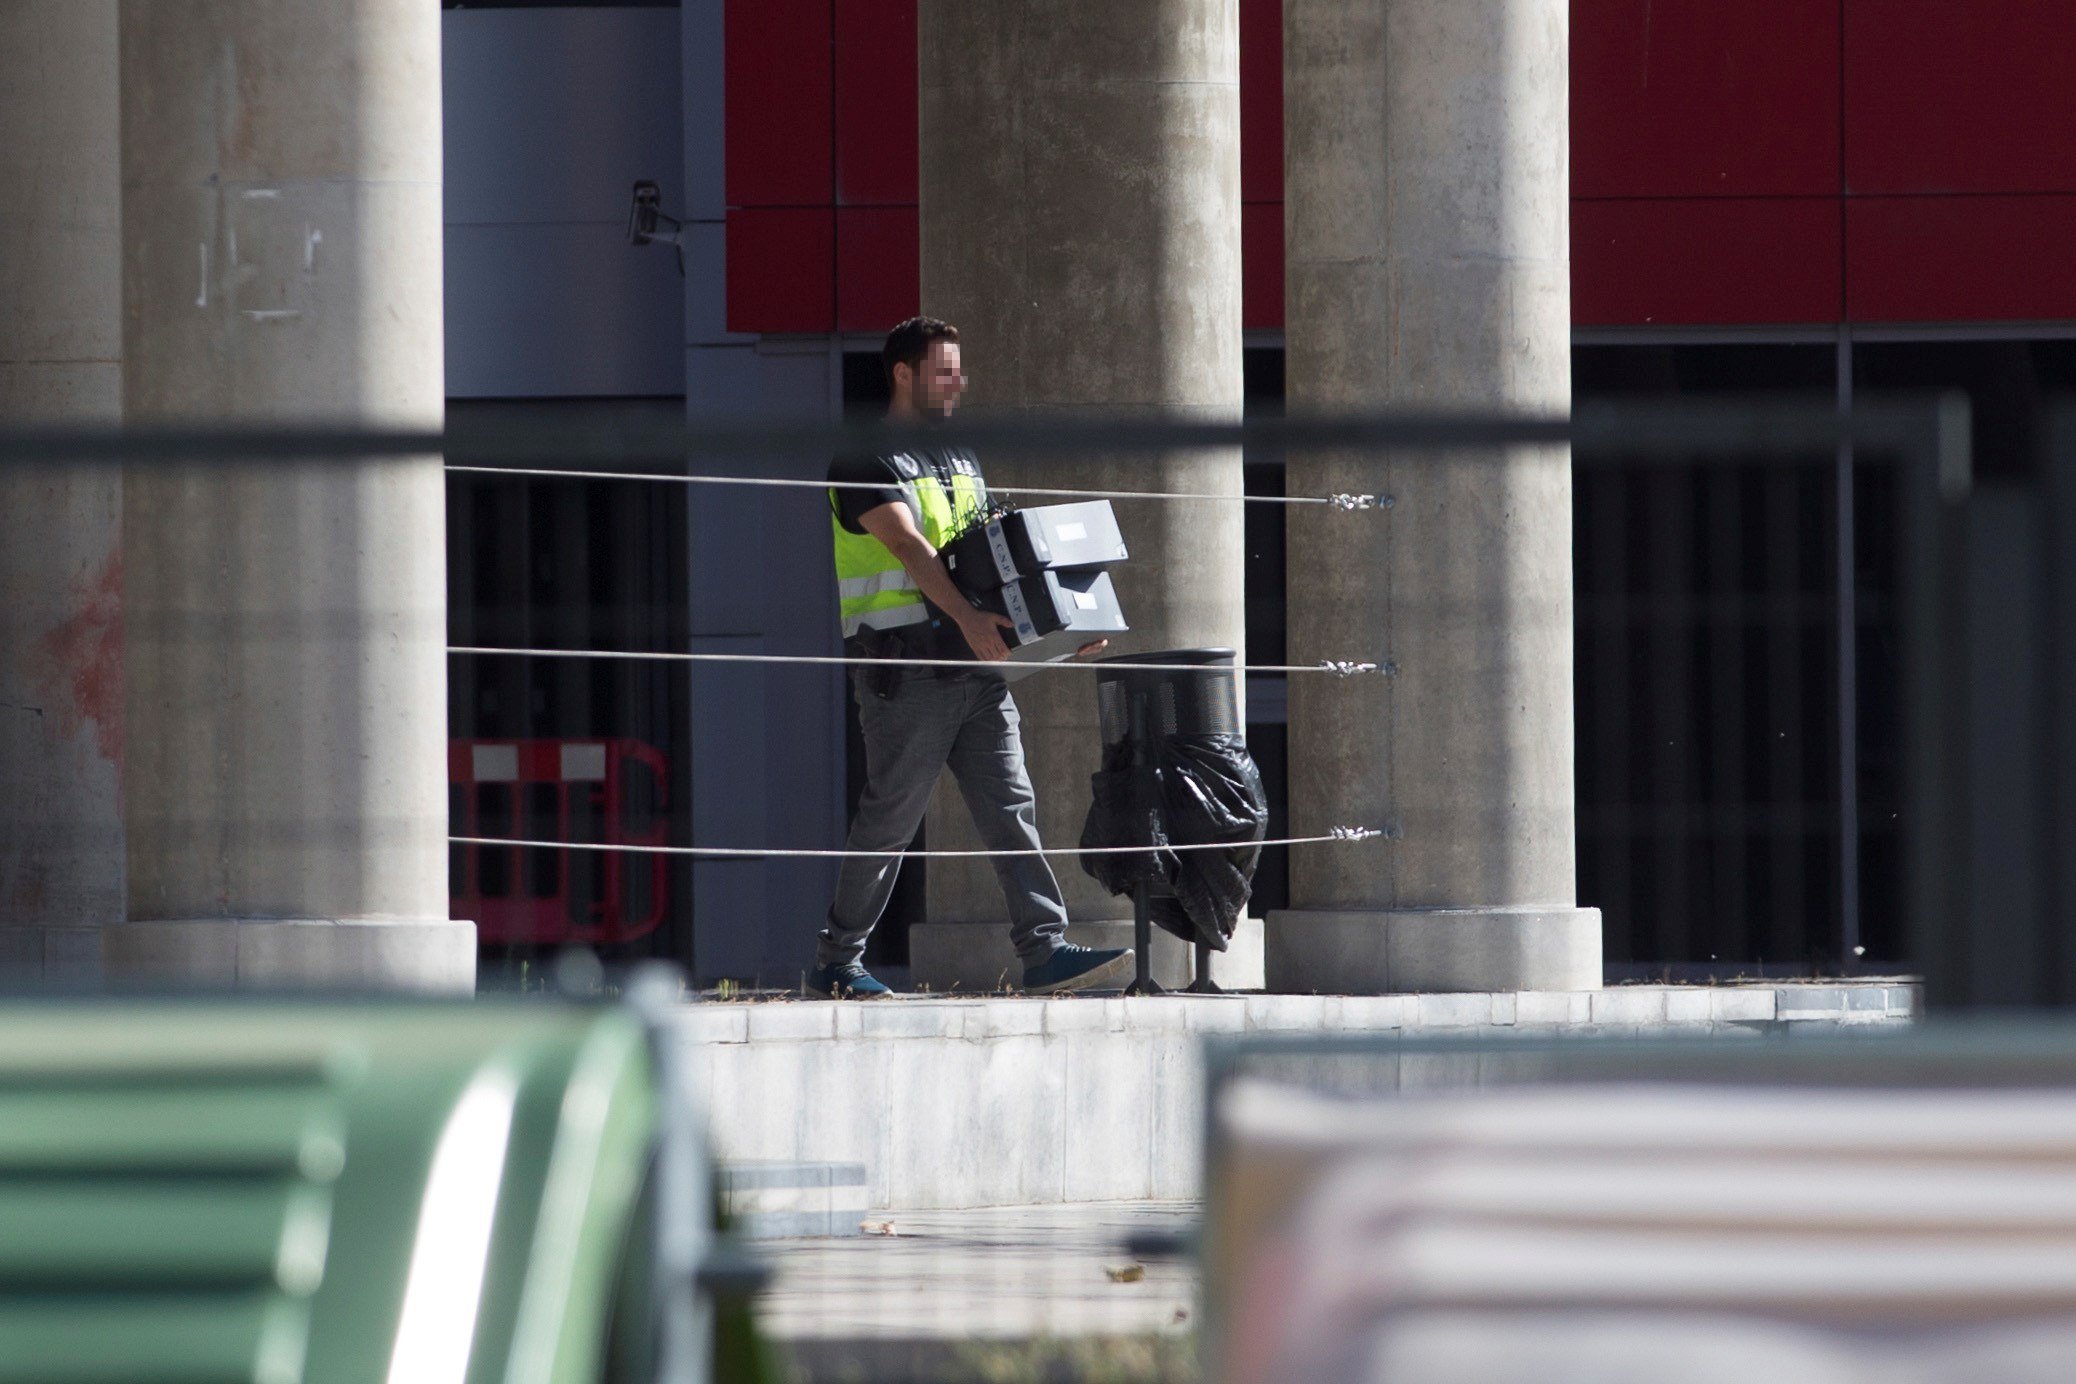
{"type": "Point", "coordinates": [938, 382]}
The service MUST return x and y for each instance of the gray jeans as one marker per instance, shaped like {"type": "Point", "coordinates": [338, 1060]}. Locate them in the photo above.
{"type": "Point", "coordinates": [967, 723]}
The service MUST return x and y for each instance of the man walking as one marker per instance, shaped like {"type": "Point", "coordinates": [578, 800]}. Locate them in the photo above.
{"type": "Point", "coordinates": [895, 594]}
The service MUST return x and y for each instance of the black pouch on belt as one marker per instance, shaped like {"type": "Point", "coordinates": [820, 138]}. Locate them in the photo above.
{"type": "Point", "coordinates": [878, 679]}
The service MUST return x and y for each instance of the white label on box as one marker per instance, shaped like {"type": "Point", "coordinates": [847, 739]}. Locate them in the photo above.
{"type": "Point", "coordinates": [1085, 600]}
{"type": "Point", "coordinates": [998, 544]}
{"type": "Point", "coordinates": [1020, 613]}
{"type": "Point", "coordinates": [1070, 533]}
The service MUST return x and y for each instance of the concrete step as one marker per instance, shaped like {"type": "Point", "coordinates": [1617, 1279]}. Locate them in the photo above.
{"type": "Point", "coordinates": [1003, 1101]}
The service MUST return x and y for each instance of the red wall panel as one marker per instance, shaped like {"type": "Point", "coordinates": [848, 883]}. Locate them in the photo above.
{"type": "Point", "coordinates": [875, 103]}
{"type": "Point", "coordinates": [1261, 101]}
{"type": "Point", "coordinates": [778, 73]}
{"type": "Point", "coordinates": [1957, 259]}
{"type": "Point", "coordinates": [1960, 95]}
{"type": "Point", "coordinates": [782, 269]}
{"type": "Point", "coordinates": [1717, 261]}
{"type": "Point", "coordinates": [1261, 265]}
{"type": "Point", "coordinates": [1694, 98]}
{"type": "Point", "coordinates": [877, 267]}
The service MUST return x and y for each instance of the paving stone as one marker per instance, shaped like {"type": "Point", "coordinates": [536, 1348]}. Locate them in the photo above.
{"type": "Point", "coordinates": [910, 1019]}
{"type": "Point", "coordinates": [1688, 1006]}
{"type": "Point", "coordinates": [1075, 1016]}
{"type": "Point", "coordinates": [950, 1277]}
{"type": "Point", "coordinates": [1797, 1001]}
{"type": "Point", "coordinates": [1375, 1013]}
{"type": "Point", "coordinates": [1629, 1004]}
{"type": "Point", "coordinates": [1452, 1011]}
{"type": "Point", "coordinates": [716, 1023]}
{"type": "Point", "coordinates": [1011, 1019]}
{"type": "Point", "coordinates": [1216, 1014]}
{"type": "Point", "coordinates": [1540, 1007]}
{"type": "Point", "coordinates": [787, 1021]}
{"type": "Point", "coordinates": [72, 956]}
{"type": "Point", "coordinates": [21, 951]}
{"type": "Point", "coordinates": [1178, 1117]}
{"type": "Point", "coordinates": [1167, 1013]}
{"type": "Point", "coordinates": [1285, 1013]}
{"type": "Point", "coordinates": [1110, 1101]}
{"type": "Point", "coordinates": [1741, 1004]}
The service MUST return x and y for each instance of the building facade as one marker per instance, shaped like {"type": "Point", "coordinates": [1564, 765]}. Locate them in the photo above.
{"type": "Point", "coordinates": [1768, 198]}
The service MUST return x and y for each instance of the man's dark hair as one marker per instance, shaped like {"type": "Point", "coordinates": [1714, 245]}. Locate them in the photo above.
{"type": "Point", "coordinates": [908, 343]}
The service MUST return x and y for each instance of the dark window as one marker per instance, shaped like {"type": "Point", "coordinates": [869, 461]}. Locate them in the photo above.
{"type": "Point", "coordinates": [573, 564]}
{"type": "Point", "coordinates": [1706, 656]}
{"type": "Point", "coordinates": [1266, 586]}
{"type": "Point", "coordinates": [2010, 387]}
{"type": "Point", "coordinates": [542, 821]}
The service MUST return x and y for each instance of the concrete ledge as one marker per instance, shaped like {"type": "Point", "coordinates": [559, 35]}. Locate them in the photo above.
{"type": "Point", "coordinates": [975, 958]}
{"type": "Point", "coordinates": [436, 955]}
{"type": "Point", "coordinates": [1433, 950]}
{"type": "Point", "coordinates": [54, 956]}
{"type": "Point", "coordinates": [1011, 1101]}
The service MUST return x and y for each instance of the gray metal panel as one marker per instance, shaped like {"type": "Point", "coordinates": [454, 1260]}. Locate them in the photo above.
{"type": "Point", "coordinates": [536, 311]}
{"type": "Point", "coordinates": [731, 381]}
{"type": "Point", "coordinates": [706, 193]}
{"type": "Point", "coordinates": [706, 285]}
{"type": "Point", "coordinates": [552, 114]}
{"type": "Point", "coordinates": [768, 748]}
{"type": "Point", "coordinates": [2006, 666]}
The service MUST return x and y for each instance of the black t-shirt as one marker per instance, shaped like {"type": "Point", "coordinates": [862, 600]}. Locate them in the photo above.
{"type": "Point", "coordinates": [885, 474]}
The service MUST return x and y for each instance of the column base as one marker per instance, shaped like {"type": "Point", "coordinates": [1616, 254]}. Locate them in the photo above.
{"type": "Point", "coordinates": [1433, 950]}
{"type": "Point", "coordinates": [54, 957]}
{"type": "Point", "coordinates": [976, 957]}
{"type": "Point", "coordinates": [434, 955]}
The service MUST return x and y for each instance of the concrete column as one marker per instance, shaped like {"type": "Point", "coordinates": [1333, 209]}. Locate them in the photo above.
{"type": "Point", "coordinates": [61, 843]}
{"type": "Point", "coordinates": [1080, 188]}
{"type": "Point", "coordinates": [286, 794]}
{"type": "Point", "coordinates": [1428, 259]}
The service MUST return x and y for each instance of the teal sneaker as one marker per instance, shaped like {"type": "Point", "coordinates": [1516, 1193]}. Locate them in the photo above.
{"type": "Point", "coordinates": [849, 981]}
{"type": "Point", "coordinates": [1078, 968]}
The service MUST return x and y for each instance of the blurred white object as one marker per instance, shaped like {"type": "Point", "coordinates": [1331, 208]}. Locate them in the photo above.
{"type": "Point", "coordinates": [1644, 1232]}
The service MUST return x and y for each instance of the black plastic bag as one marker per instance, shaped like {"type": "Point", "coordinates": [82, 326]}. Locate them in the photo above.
{"type": "Point", "coordinates": [1200, 790]}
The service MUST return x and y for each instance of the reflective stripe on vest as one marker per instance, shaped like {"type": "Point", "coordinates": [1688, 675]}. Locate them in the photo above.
{"type": "Point", "coordinates": [873, 589]}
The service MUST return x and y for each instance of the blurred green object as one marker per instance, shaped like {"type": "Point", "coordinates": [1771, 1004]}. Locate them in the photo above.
{"type": "Point", "coordinates": [324, 1191]}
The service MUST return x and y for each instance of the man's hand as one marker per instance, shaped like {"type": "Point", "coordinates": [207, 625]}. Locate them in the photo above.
{"type": "Point", "coordinates": [894, 526]}
{"type": "Point", "coordinates": [983, 631]}
{"type": "Point", "coordinates": [1091, 650]}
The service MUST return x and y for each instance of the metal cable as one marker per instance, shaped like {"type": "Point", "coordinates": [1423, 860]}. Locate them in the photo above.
{"type": "Point", "coordinates": [1335, 836]}
{"type": "Point", "coordinates": [1338, 667]}
{"type": "Point", "coordinates": [1337, 501]}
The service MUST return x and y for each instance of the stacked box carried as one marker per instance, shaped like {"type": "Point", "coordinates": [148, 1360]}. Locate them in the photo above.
{"type": "Point", "coordinates": [1044, 568]}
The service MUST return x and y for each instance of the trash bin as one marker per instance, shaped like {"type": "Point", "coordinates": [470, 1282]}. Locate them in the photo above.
{"type": "Point", "coordinates": [1175, 772]}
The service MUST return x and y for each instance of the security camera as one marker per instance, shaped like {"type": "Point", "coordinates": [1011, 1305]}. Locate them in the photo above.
{"type": "Point", "coordinates": [648, 223]}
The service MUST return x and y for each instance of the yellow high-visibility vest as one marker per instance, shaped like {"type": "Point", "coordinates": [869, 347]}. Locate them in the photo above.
{"type": "Point", "coordinates": [874, 591]}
